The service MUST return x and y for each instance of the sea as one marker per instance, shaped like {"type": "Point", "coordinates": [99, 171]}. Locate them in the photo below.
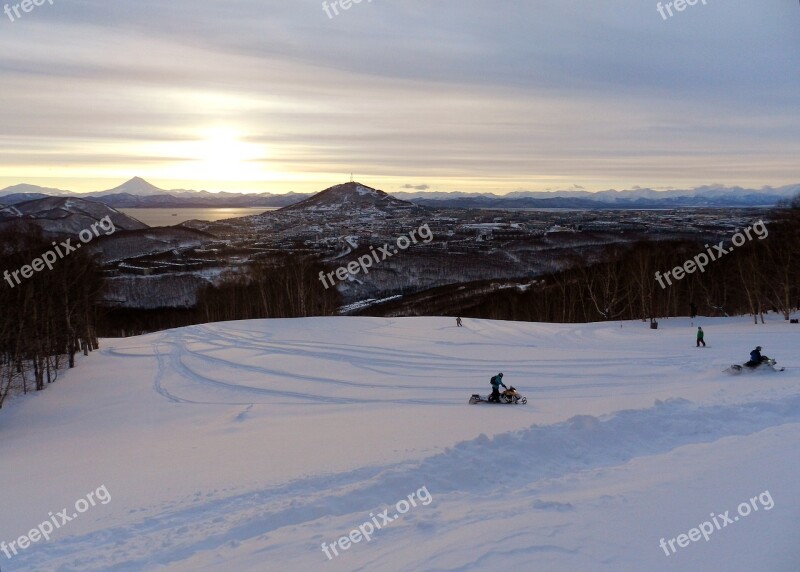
{"type": "Point", "coordinates": [169, 217]}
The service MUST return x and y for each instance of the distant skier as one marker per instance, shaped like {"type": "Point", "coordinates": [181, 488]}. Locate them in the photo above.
{"type": "Point", "coordinates": [458, 322]}
{"type": "Point", "coordinates": [755, 357]}
{"type": "Point", "coordinates": [496, 382]}
{"type": "Point", "coordinates": [700, 336]}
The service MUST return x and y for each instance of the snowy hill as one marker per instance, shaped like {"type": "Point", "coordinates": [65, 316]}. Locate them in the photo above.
{"type": "Point", "coordinates": [65, 215]}
{"type": "Point", "coordinates": [351, 197]}
{"type": "Point", "coordinates": [244, 446]}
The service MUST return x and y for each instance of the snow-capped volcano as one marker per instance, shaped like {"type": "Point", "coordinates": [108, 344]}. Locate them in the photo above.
{"type": "Point", "coordinates": [134, 186]}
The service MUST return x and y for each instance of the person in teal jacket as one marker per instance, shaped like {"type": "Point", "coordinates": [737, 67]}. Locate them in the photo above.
{"type": "Point", "coordinates": [497, 381]}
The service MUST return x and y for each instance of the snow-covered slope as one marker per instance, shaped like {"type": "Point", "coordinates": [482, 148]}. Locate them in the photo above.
{"type": "Point", "coordinates": [65, 215]}
{"type": "Point", "coordinates": [246, 445]}
{"type": "Point", "coordinates": [352, 198]}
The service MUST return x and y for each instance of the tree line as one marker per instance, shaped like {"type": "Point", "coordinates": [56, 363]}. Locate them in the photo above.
{"type": "Point", "coordinates": [284, 286]}
{"type": "Point", "coordinates": [47, 318]}
{"type": "Point", "coordinates": [759, 276]}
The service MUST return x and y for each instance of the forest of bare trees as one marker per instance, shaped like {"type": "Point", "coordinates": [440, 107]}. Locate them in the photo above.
{"type": "Point", "coordinates": [284, 287]}
{"type": "Point", "coordinates": [47, 318]}
{"type": "Point", "coordinates": [760, 276]}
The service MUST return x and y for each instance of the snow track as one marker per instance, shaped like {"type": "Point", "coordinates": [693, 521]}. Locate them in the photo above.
{"type": "Point", "coordinates": [258, 441]}
{"type": "Point", "coordinates": [580, 444]}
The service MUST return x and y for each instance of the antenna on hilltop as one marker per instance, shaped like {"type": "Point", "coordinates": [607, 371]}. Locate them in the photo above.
{"type": "Point", "coordinates": [351, 177]}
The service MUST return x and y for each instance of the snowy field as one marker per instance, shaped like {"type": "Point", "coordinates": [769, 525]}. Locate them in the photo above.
{"type": "Point", "coordinates": [244, 446]}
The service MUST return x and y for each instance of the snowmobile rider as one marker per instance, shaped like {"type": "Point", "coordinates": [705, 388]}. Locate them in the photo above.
{"type": "Point", "coordinates": [497, 381]}
{"type": "Point", "coordinates": [755, 357]}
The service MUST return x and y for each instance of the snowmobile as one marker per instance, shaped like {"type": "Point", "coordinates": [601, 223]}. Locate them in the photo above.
{"type": "Point", "coordinates": [510, 395]}
{"type": "Point", "coordinates": [766, 364]}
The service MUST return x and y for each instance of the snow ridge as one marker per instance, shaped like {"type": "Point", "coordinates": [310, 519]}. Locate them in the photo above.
{"type": "Point", "coordinates": [540, 452]}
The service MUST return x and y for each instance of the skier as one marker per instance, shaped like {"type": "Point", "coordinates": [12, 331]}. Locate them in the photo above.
{"type": "Point", "coordinates": [496, 382]}
{"type": "Point", "coordinates": [755, 357]}
{"type": "Point", "coordinates": [700, 336]}
{"type": "Point", "coordinates": [458, 322]}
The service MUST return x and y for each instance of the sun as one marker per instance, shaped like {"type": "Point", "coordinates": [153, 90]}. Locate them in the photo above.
{"type": "Point", "coordinates": [223, 153]}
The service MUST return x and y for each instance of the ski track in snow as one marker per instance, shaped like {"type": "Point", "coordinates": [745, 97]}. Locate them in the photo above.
{"type": "Point", "coordinates": [579, 444]}
{"type": "Point", "coordinates": [421, 365]}
{"type": "Point", "coordinates": [239, 364]}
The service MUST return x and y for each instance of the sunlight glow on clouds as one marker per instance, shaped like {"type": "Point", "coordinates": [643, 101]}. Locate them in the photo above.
{"type": "Point", "coordinates": [266, 95]}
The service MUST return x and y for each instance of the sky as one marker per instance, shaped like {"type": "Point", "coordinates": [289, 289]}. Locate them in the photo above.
{"type": "Point", "coordinates": [279, 96]}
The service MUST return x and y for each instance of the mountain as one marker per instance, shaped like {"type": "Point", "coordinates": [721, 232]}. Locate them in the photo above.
{"type": "Point", "coordinates": [705, 196]}
{"type": "Point", "coordinates": [127, 200]}
{"type": "Point", "coordinates": [64, 215]}
{"type": "Point", "coordinates": [139, 193]}
{"type": "Point", "coordinates": [351, 198]}
{"type": "Point", "coordinates": [499, 202]}
{"type": "Point", "coordinates": [197, 199]}
{"type": "Point", "coordinates": [134, 186]}
{"type": "Point", "coordinates": [15, 198]}
{"type": "Point", "coordinates": [32, 189]}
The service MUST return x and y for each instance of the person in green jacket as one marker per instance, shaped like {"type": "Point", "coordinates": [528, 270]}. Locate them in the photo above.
{"type": "Point", "coordinates": [700, 336]}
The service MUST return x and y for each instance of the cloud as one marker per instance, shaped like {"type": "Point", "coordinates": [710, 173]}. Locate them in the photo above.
{"type": "Point", "coordinates": [537, 95]}
{"type": "Point", "coordinates": [416, 187]}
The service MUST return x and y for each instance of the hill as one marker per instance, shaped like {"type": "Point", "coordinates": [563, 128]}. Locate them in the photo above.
{"type": "Point", "coordinates": [247, 445]}
{"type": "Point", "coordinates": [64, 215]}
{"type": "Point", "coordinates": [352, 198]}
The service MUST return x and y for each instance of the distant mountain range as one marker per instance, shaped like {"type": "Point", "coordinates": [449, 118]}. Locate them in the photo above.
{"type": "Point", "coordinates": [138, 193]}
{"type": "Point", "coordinates": [706, 196]}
